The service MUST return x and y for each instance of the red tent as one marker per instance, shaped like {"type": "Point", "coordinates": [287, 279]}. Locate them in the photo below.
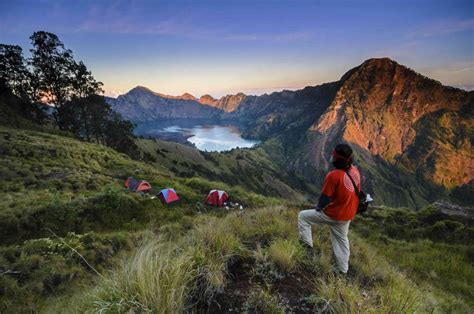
{"type": "Point", "coordinates": [137, 185]}
{"type": "Point", "coordinates": [217, 197]}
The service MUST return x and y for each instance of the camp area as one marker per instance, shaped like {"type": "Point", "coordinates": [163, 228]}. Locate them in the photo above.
{"type": "Point", "coordinates": [215, 197]}
{"type": "Point", "coordinates": [166, 195]}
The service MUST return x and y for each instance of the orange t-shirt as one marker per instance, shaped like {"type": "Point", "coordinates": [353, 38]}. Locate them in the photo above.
{"type": "Point", "coordinates": [339, 188]}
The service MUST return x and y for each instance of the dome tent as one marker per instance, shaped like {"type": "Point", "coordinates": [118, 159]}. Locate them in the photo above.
{"type": "Point", "coordinates": [168, 195]}
{"type": "Point", "coordinates": [137, 185]}
{"type": "Point", "coordinates": [217, 197]}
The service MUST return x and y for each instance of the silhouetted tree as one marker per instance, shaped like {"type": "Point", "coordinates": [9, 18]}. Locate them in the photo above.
{"type": "Point", "coordinates": [86, 112]}
{"type": "Point", "coordinates": [15, 78]}
{"type": "Point", "coordinates": [52, 76]}
{"type": "Point", "coordinates": [13, 69]}
{"type": "Point", "coordinates": [83, 83]}
{"type": "Point", "coordinates": [86, 117]}
{"type": "Point", "coordinates": [92, 119]}
{"type": "Point", "coordinates": [119, 135]}
{"type": "Point", "coordinates": [53, 64]}
{"type": "Point", "coordinates": [59, 77]}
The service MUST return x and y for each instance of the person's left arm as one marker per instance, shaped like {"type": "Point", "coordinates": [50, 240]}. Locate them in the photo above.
{"type": "Point", "coordinates": [327, 192]}
{"type": "Point", "coordinates": [324, 201]}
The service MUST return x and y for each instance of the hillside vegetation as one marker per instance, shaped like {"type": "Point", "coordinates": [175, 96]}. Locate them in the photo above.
{"type": "Point", "coordinates": [63, 197]}
{"type": "Point", "coordinates": [257, 169]}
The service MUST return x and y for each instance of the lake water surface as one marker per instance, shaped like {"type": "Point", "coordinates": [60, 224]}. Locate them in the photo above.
{"type": "Point", "coordinates": [205, 135]}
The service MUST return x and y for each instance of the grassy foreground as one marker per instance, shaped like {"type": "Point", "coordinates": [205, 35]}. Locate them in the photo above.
{"type": "Point", "coordinates": [252, 262]}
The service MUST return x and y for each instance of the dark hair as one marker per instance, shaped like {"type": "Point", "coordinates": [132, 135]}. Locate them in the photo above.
{"type": "Point", "coordinates": [343, 150]}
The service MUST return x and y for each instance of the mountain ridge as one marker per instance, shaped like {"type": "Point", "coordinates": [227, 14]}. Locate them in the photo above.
{"type": "Point", "coordinates": [143, 104]}
{"type": "Point", "coordinates": [411, 134]}
{"type": "Point", "coordinates": [209, 100]}
{"type": "Point", "coordinates": [226, 103]}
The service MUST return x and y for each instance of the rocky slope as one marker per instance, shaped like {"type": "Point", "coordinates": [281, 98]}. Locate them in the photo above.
{"type": "Point", "coordinates": [382, 103]}
{"type": "Point", "coordinates": [228, 103]}
{"type": "Point", "coordinates": [413, 136]}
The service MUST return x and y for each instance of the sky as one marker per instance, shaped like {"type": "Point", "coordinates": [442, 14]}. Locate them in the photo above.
{"type": "Point", "coordinates": [228, 46]}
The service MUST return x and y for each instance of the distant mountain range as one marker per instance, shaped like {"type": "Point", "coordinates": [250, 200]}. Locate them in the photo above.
{"type": "Point", "coordinates": [412, 135]}
{"type": "Point", "coordinates": [142, 104]}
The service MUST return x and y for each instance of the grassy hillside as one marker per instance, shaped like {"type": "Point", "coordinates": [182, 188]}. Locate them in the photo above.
{"type": "Point", "coordinates": [428, 246]}
{"type": "Point", "coordinates": [58, 192]}
{"type": "Point", "coordinates": [254, 169]}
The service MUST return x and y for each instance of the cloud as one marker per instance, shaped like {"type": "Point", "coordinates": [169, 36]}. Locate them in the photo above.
{"type": "Point", "coordinates": [443, 27]}
{"type": "Point", "coordinates": [124, 25]}
{"type": "Point", "coordinates": [465, 87]}
{"type": "Point", "coordinates": [113, 93]}
{"type": "Point", "coordinates": [292, 36]}
{"type": "Point", "coordinates": [130, 17]}
{"type": "Point", "coordinates": [458, 74]}
{"type": "Point", "coordinates": [112, 18]}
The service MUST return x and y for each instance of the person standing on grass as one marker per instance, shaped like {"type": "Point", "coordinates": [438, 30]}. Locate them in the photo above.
{"type": "Point", "coordinates": [337, 206]}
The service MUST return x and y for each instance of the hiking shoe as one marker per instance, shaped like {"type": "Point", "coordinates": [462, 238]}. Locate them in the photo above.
{"type": "Point", "coordinates": [337, 272]}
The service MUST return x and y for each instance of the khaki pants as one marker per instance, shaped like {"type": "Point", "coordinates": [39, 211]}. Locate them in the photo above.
{"type": "Point", "coordinates": [339, 230]}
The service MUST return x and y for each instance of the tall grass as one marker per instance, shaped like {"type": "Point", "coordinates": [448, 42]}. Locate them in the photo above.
{"type": "Point", "coordinates": [263, 225]}
{"type": "Point", "coordinates": [157, 278]}
{"type": "Point", "coordinates": [212, 247]}
{"type": "Point", "coordinates": [374, 286]}
{"type": "Point", "coordinates": [285, 253]}
{"type": "Point", "coordinates": [165, 277]}
{"type": "Point", "coordinates": [429, 262]}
